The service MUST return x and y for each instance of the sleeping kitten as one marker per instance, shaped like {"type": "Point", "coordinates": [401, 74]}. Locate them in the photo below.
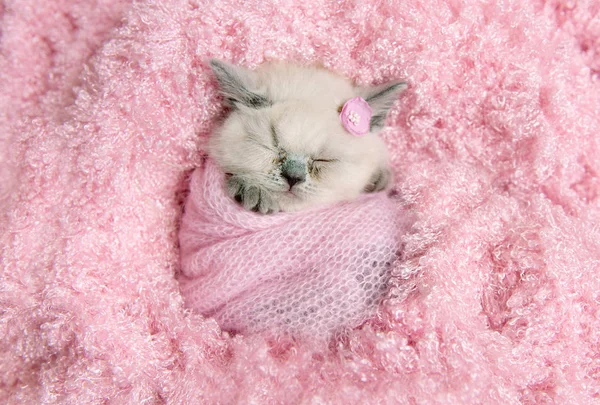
{"type": "Point", "coordinates": [283, 145]}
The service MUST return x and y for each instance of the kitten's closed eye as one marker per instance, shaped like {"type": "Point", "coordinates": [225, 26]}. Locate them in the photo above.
{"type": "Point", "coordinates": [317, 166]}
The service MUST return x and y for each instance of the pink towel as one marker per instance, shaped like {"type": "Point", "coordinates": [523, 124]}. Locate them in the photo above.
{"type": "Point", "coordinates": [309, 274]}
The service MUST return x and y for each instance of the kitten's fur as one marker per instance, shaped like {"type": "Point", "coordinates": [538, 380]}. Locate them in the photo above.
{"type": "Point", "coordinates": [283, 146]}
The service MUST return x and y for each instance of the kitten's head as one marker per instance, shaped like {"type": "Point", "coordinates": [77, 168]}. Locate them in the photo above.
{"type": "Point", "coordinates": [283, 145]}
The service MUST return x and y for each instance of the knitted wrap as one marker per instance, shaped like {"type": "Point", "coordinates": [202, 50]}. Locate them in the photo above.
{"type": "Point", "coordinates": [309, 274]}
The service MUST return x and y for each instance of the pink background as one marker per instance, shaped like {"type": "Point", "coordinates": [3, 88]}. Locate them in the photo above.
{"type": "Point", "coordinates": [105, 105]}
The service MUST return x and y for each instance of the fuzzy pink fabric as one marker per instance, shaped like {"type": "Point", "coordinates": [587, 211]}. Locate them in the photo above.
{"type": "Point", "coordinates": [309, 275]}
{"type": "Point", "coordinates": [104, 110]}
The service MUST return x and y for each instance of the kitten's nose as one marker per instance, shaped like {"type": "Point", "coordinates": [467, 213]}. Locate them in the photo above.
{"type": "Point", "coordinates": [293, 171]}
{"type": "Point", "coordinates": [293, 178]}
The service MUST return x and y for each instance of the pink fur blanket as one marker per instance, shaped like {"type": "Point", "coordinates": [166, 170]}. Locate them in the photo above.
{"type": "Point", "coordinates": [105, 107]}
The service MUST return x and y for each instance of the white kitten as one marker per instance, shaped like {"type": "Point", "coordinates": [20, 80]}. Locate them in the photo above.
{"type": "Point", "coordinates": [283, 146]}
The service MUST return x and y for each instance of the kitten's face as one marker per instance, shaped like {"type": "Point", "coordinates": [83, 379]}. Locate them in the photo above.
{"type": "Point", "coordinates": [283, 146]}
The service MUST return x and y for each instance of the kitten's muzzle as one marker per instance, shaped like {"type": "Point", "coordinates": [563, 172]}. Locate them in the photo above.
{"type": "Point", "coordinates": [293, 171]}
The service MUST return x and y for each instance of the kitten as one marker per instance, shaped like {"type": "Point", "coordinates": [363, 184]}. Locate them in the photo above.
{"type": "Point", "coordinates": [283, 145]}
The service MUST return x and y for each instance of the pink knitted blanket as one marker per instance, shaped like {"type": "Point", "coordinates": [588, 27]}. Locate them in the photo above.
{"type": "Point", "coordinates": [105, 108]}
{"type": "Point", "coordinates": [307, 274]}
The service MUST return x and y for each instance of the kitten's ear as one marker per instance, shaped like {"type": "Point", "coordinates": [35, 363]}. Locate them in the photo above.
{"type": "Point", "coordinates": [380, 99]}
{"type": "Point", "coordinates": [238, 85]}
